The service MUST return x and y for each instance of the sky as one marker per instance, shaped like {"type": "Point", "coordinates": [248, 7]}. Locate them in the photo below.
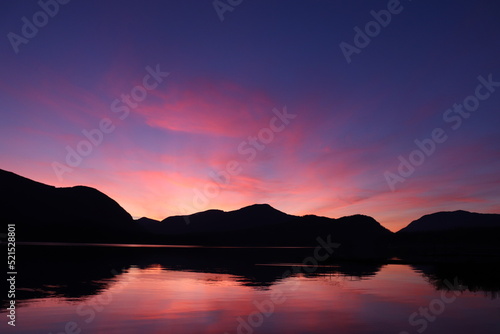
{"type": "Point", "coordinates": [334, 108]}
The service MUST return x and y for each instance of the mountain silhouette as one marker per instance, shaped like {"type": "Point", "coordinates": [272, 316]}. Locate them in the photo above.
{"type": "Point", "coordinates": [46, 213]}
{"type": "Point", "coordinates": [146, 220]}
{"type": "Point", "coordinates": [81, 214]}
{"type": "Point", "coordinates": [220, 221]}
{"type": "Point", "coordinates": [263, 225]}
{"type": "Point", "coordinates": [458, 233]}
{"type": "Point", "coordinates": [455, 220]}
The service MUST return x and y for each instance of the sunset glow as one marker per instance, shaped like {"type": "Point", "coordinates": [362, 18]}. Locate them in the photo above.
{"type": "Point", "coordinates": [259, 108]}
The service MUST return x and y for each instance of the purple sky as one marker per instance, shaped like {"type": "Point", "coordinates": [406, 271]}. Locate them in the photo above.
{"type": "Point", "coordinates": [281, 102]}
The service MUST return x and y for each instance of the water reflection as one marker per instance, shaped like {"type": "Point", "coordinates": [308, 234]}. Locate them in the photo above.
{"type": "Point", "coordinates": [473, 277]}
{"type": "Point", "coordinates": [113, 290]}
{"type": "Point", "coordinates": [74, 272]}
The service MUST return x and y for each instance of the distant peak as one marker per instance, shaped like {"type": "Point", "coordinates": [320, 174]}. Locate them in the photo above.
{"type": "Point", "coordinates": [260, 207]}
{"type": "Point", "coordinates": [448, 212]}
{"type": "Point", "coordinates": [449, 220]}
{"type": "Point", "coordinates": [146, 220]}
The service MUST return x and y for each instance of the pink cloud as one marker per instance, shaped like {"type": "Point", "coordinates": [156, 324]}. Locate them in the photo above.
{"type": "Point", "coordinates": [210, 108]}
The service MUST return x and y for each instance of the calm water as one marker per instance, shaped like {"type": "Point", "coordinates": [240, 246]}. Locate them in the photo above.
{"type": "Point", "coordinates": [111, 290]}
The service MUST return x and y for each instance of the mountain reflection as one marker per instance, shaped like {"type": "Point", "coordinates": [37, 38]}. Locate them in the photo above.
{"type": "Point", "coordinates": [473, 277]}
{"type": "Point", "coordinates": [82, 272]}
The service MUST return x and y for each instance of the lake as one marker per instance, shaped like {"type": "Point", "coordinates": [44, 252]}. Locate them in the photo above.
{"type": "Point", "coordinates": [104, 289]}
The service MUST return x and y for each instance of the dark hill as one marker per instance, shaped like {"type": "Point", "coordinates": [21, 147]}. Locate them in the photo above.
{"type": "Point", "coordinates": [262, 225]}
{"type": "Point", "coordinates": [82, 214]}
{"type": "Point", "coordinates": [219, 221]}
{"type": "Point", "coordinates": [444, 234]}
{"type": "Point", "coordinates": [146, 220]}
{"type": "Point", "coordinates": [452, 220]}
{"type": "Point", "coordinates": [47, 213]}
